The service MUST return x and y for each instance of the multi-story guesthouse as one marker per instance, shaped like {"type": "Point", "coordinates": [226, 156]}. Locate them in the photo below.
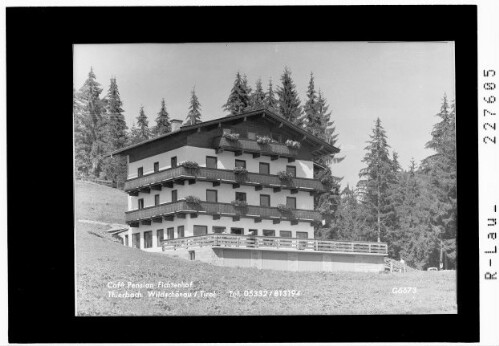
{"type": "Point", "coordinates": [235, 191]}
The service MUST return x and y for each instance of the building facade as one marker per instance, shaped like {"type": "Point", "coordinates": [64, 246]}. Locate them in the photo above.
{"type": "Point", "coordinates": [249, 174]}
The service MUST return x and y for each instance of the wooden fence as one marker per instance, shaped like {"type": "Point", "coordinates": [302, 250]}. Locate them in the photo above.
{"type": "Point", "coordinates": [257, 242]}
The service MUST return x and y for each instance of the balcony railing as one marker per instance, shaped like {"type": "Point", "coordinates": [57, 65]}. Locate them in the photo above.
{"type": "Point", "coordinates": [252, 146]}
{"type": "Point", "coordinates": [228, 176]}
{"type": "Point", "coordinates": [258, 242]}
{"type": "Point", "coordinates": [223, 209]}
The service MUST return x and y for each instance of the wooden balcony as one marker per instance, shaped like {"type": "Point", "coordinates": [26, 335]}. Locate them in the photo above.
{"type": "Point", "coordinates": [180, 208]}
{"type": "Point", "coordinates": [274, 150]}
{"type": "Point", "coordinates": [257, 242]}
{"type": "Point", "coordinates": [218, 176]}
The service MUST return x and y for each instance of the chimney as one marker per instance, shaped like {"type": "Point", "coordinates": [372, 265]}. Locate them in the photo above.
{"type": "Point", "coordinates": [176, 124]}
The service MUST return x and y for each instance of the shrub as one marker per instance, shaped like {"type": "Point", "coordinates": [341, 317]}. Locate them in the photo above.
{"type": "Point", "coordinates": [293, 144]}
{"type": "Point", "coordinates": [263, 139]}
{"type": "Point", "coordinates": [193, 200]}
{"type": "Point", "coordinates": [231, 137]}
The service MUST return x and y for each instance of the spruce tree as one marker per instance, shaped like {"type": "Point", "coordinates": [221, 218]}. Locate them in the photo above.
{"type": "Point", "coordinates": [375, 183]}
{"type": "Point", "coordinates": [288, 101]}
{"type": "Point", "coordinates": [162, 121]}
{"type": "Point", "coordinates": [270, 101]}
{"type": "Point", "coordinates": [194, 115]}
{"type": "Point", "coordinates": [116, 124]}
{"type": "Point", "coordinates": [312, 122]}
{"type": "Point", "coordinates": [349, 223]}
{"type": "Point", "coordinates": [90, 129]}
{"type": "Point", "coordinates": [258, 96]}
{"type": "Point", "coordinates": [239, 97]}
{"type": "Point", "coordinates": [117, 137]}
{"type": "Point", "coordinates": [143, 133]}
{"type": "Point", "coordinates": [440, 170]}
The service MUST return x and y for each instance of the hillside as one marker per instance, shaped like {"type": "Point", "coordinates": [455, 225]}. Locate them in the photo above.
{"type": "Point", "coordinates": [100, 262]}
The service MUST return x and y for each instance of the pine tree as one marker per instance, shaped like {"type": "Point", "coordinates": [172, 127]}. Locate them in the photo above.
{"type": "Point", "coordinates": [194, 115]}
{"type": "Point", "coordinates": [440, 169]}
{"type": "Point", "coordinates": [117, 137]}
{"type": "Point", "coordinates": [143, 132]}
{"type": "Point", "coordinates": [270, 101]}
{"type": "Point", "coordinates": [239, 98]}
{"type": "Point", "coordinates": [312, 122]}
{"type": "Point", "coordinates": [116, 124]}
{"type": "Point", "coordinates": [257, 99]}
{"type": "Point", "coordinates": [288, 102]}
{"type": "Point", "coordinates": [350, 218]}
{"type": "Point", "coordinates": [375, 183]}
{"type": "Point", "coordinates": [89, 127]}
{"type": "Point", "coordinates": [162, 121]}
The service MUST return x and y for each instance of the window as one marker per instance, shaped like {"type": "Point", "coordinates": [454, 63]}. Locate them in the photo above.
{"type": "Point", "coordinates": [285, 234]}
{"type": "Point", "coordinates": [141, 203]}
{"type": "Point", "coordinates": [241, 196]}
{"type": "Point", "coordinates": [264, 200]}
{"type": "Point", "coordinates": [200, 230]}
{"type": "Point", "coordinates": [174, 195]}
{"type": "Point", "coordinates": [160, 236]}
{"type": "Point", "coordinates": [240, 163]}
{"type": "Point", "coordinates": [140, 171]}
{"type": "Point", "coordinates": [251, 135]}
{"type": "Point", "coordinates": [238, 231]}
{"type": "Point", "coordinates": [217, 229]}
{"type": "Point", "coordinates": [180, 232]}
{"type": "Point", "coordinates": [174, 162]}
{"type": "Point", "coordinates": [211, 162]}
{"type": "Point", "coordinates": [147, 239]}
{"type": "Point", "coordinates": [291, 202]}
{"type": "Point", "coordinates": [169, 233]}
{"type": "Point", "coordinates": [156, 166]}
{"type": "Point", "coordinates": [253, 232]}
{"type": "Point", "coordinates": [276, 137]}
{"type": "Point", "coordinates": [268, 233]}
{"type": "Point", "coordinates": [136, 240]}
{"type": "Point", "coordinates": [126, 240]}
{"type": "Point", "coordinates": [264, 168]}
{"type": "Point", "coordinates": [192, 255]}
{"type": "Point", "coordinates": [211, 196]}
{"type": "Point", "coordinates": [291, 170]}
{"type": "Point", "coordinates": [303, 235]}
{"type": "Point", "coordinates": [227, 130]}
{"type": "Point", "coordinates": [156, 199]}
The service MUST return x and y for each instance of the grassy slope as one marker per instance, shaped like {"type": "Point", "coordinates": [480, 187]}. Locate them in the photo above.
{"type": "Point", "coordinates": [100, 261]}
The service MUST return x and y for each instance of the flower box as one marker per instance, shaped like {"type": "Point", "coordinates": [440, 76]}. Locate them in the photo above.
{"type": "Point", "coordinates": [293, 144]}
{"type": "Point", "coordinates": [193, 200]}
{"type": "Point", "coordinates": [263, 140]}
{"type": "Point", "coordinates": [231, 137]}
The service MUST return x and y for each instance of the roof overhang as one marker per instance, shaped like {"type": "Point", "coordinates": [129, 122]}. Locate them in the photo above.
{"type": "Point", "coordinates": [322, 147]}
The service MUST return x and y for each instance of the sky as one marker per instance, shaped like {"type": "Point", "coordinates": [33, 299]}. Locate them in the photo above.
{"type": "Point", "coordinates": [402, 83]}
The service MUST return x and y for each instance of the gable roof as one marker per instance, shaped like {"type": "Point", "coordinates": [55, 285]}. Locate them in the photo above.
{"type": "Point", "coordinates": [322, 146]}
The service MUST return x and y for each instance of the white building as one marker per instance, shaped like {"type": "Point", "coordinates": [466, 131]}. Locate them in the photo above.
{"type": "Point", "coordinates": [248, 174]}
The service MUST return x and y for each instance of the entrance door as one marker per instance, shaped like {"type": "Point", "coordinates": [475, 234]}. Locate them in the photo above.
{"type": "Point", "coordinates": [302, 244]}
{"type": "Point", "coordinates": [136, 240]}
